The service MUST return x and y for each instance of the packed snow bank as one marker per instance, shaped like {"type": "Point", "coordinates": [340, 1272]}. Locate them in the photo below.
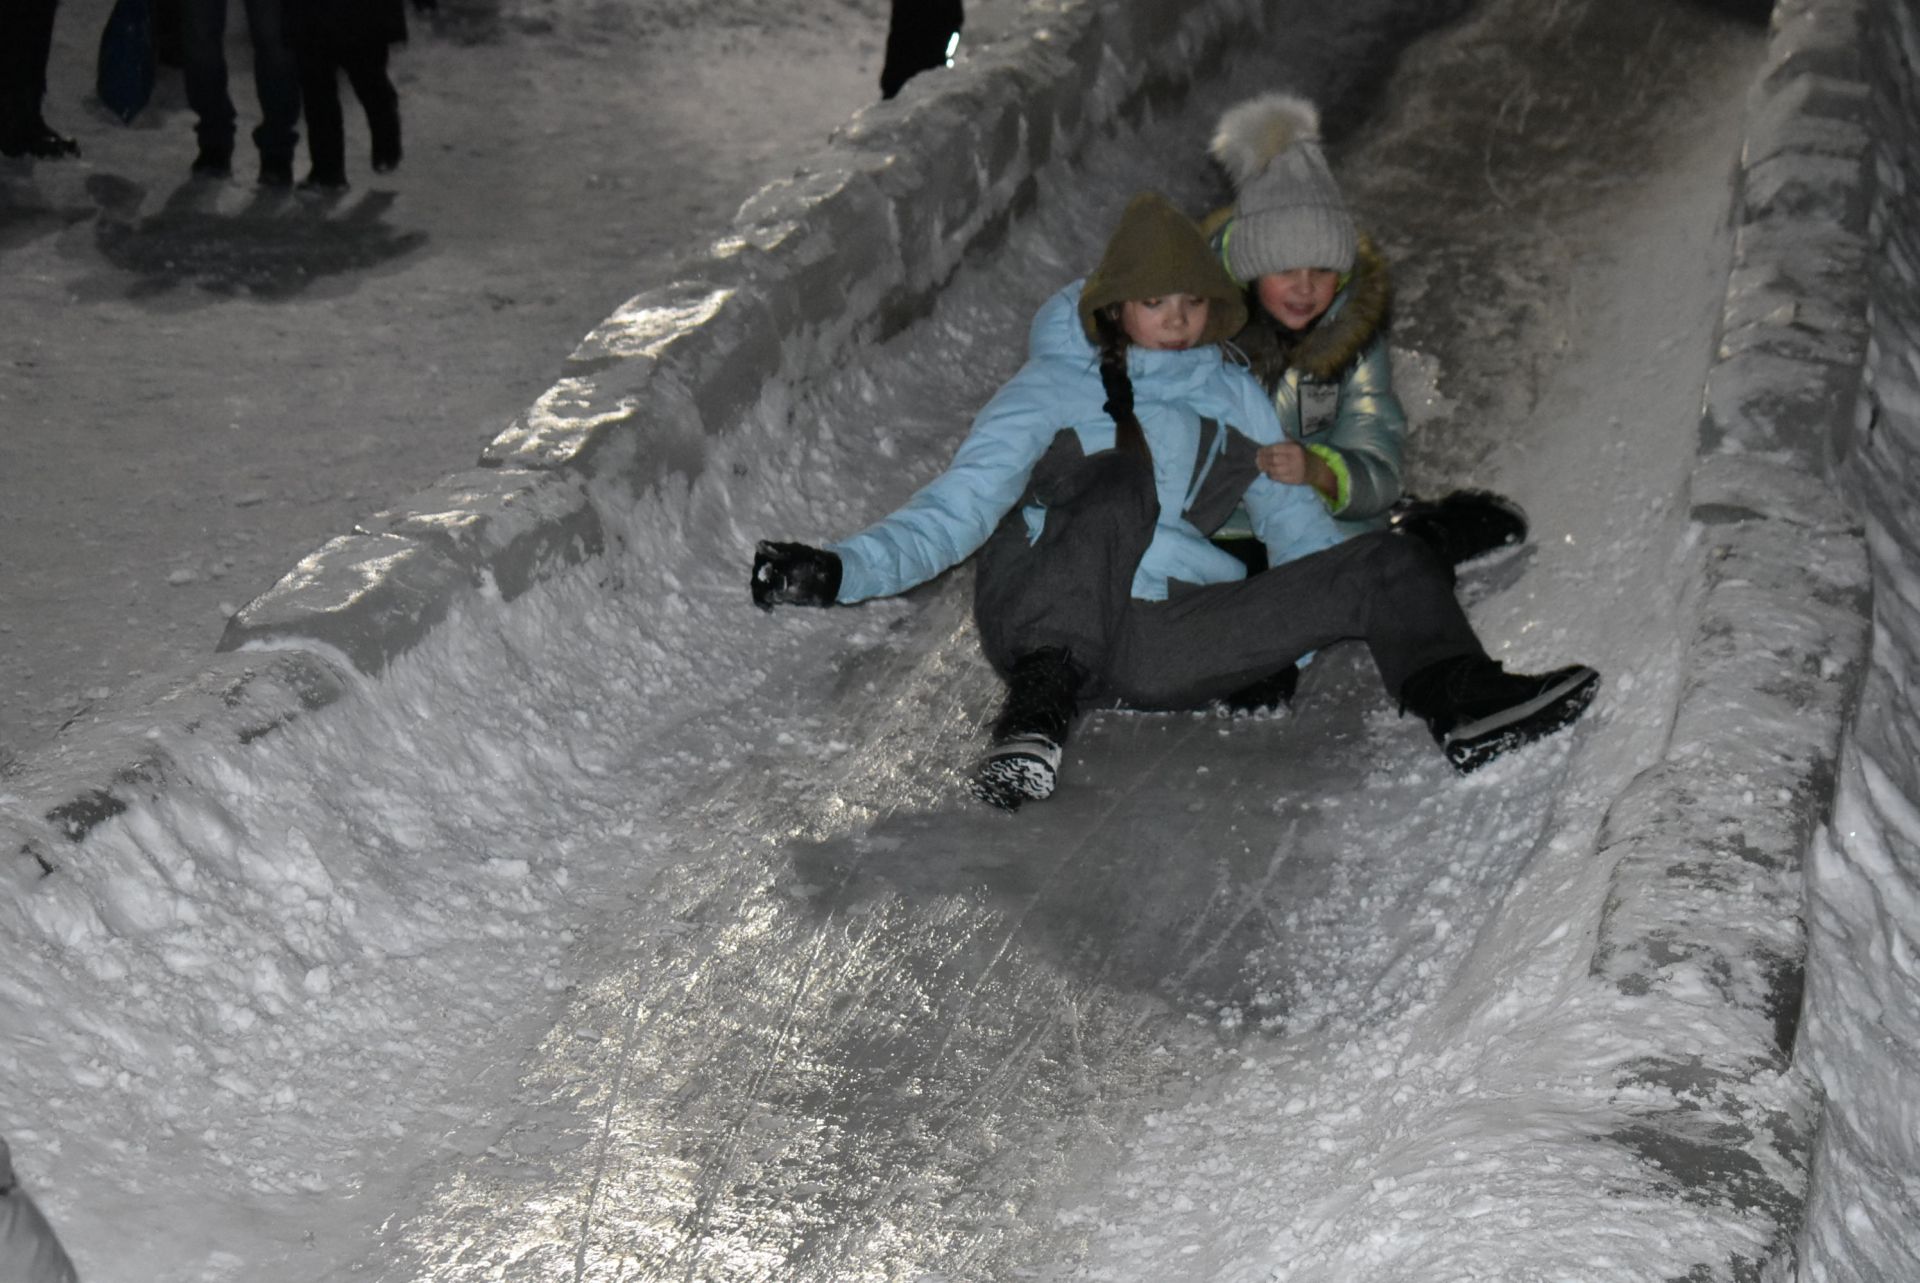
{"type": "Point", "coordinates": [1862, 1039]}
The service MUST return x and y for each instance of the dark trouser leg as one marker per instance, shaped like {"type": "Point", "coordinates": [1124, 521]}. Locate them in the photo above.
{"type": "Point", "coordinates": [1392, 593]}
{"type": "Point", "coordinates": [276, 82]}
{"type": "Point", "coordinates": [26, 41]}
{"type": "Point", "coordinates": [320, 95]}
{"type": "Point", "coordinates": [203, 34]}
{"type": "Point", "coordinates": [1070, 588]}
{"type": "Point", "coordinates": [168, 47]}
{"type": "Point", "coordinates": [1047, 610]}
{"type": "Point", "coordinates": [366, 68]}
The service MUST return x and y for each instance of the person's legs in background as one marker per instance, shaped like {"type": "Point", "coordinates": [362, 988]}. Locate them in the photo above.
{"type": "Point", "coordinates": [276, 83]}
{"type": "Point", "coordinates": [366, 68]}
{"type": "Point", "coordinates": [26, 41]}
{"type": "Point", "coordinates": [203, 36]}
{"type": "Point", "coordinates": [326, 137]}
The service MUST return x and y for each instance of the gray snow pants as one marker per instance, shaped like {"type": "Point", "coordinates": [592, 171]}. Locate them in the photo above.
{"type": "Point", "coordinates": [1072, 588]}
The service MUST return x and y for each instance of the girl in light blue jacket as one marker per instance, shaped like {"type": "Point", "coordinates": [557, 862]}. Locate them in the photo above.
{"type": "Point", "coordinates": [1089, 485]}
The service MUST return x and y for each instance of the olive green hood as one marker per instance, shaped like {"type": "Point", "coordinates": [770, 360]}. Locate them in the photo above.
{"type": "Point", "coordinates": [1158, 251]}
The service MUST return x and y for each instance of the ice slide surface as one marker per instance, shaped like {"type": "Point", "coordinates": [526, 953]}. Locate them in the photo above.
{"type": "Point", "coordinates": [643, 936]}
{"type": "Point", "coordinates": [894, 1036]}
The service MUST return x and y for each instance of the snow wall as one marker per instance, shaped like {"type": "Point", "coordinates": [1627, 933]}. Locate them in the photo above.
{"type": "Point", "coordinates": [1862, 1035]}
{"type": "Point", "coordinates": [1715, 828]}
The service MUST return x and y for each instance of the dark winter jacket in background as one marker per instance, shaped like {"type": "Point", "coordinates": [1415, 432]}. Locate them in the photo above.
{"type": "Point", "coordinates": [1203, 418]}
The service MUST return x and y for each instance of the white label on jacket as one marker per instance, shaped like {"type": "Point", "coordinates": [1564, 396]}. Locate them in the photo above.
{"type": "Point", "coordinates": [1319, 406]}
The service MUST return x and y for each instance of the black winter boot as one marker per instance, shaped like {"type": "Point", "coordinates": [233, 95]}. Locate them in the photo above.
{"type": "Point", "coordinates": [1477, 710]}
{"type": "Point", "coordinates": [1043, 692]}
{"type": "Point", "coordinates": [1462, 525]}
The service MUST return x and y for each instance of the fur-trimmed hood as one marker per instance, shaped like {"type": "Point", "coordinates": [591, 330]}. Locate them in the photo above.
{"type": "Point", "coordinates": [1359, 313]}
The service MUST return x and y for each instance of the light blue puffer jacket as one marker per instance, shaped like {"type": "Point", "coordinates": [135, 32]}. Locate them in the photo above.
{"type": "Point", "coordinates": [1175, 395]}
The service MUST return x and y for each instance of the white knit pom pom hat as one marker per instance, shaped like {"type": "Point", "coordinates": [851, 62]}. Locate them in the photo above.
{"type": "Point", "coordinates": [1288, 211]}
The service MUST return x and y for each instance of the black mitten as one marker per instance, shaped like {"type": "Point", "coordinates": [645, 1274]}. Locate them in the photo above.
{"type": "Point", "coordinates": [793, 574]}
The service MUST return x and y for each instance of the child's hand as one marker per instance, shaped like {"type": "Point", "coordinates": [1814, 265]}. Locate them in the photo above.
{"type": "Point", "coordinates": [1292, 464]}
{"type": "Point", "coordinates": [792, 574]}
{"type": "Point", "coordinates": [1285, 462]}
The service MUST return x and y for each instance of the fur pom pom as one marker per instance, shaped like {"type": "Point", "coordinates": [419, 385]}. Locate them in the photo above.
{"type": "Point", "coordinates": [1251, 134]}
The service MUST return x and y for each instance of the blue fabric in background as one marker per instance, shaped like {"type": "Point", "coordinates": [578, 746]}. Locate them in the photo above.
{"type": "Point", "coordinates": [124, 78]}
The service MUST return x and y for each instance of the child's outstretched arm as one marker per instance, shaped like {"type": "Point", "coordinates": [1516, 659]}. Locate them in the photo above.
{"type": "Point", "coordinates": [943, 524]}
{"type": "Point", "coordinates": [950, 517]}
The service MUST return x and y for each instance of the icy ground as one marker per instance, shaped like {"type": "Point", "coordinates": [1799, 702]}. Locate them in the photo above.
{"type": "Point", "coordinates": [202, 384]}
{"type": "Point", "coordinates": [628, 933]}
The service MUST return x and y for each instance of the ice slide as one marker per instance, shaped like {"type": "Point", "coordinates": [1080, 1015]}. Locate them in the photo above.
{"type": "Point", "coordinates": [623, 932]}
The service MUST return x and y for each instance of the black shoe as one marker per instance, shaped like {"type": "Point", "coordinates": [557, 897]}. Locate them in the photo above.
{"type": "Point", "coordinates": [213, 164]}
{"type": "Point", "coordinates": [386, 149]}
{"type": "Point", "coordinates": [276, 173]}
{"type": "Point", "coordinates": [383, 125]}
{"type": "Point", "coordinates": [40, 143]}
{"type": "Point", "coordinates": [1462, 525]}
{"type": "Point", "coordinates": [326, 183]}
{"type": "Point", "coordinates": [1043, 692]}
{"type": "Point", "coordinates": [1268, 695]}
{"type": "Point", "coordinates": [1477, 710]}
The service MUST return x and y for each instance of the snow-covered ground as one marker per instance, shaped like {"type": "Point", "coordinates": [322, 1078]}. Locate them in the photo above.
{"type": "Point", "coordinates": [541, 956]}
{"type": "Point", "coordinates": [202, 384]}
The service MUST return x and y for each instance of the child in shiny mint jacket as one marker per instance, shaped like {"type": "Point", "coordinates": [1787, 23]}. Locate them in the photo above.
{"type": "Point", "coordinates": [1318, 304]}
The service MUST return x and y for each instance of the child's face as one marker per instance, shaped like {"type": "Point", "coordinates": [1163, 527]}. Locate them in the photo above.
{"type": "Point", "coordinates": [1170, 324]}
{"type": "Point", "coordinates": [1297, 299]}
